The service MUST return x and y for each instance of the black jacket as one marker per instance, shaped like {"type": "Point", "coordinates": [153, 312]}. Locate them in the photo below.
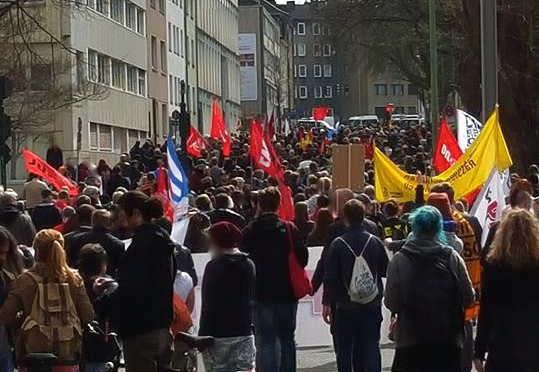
{"type": "Point", "coordinates": [508, 324]}
{"type": "Point", "coordinates": [115, 247]}
{"type": "Point", "coordinates": [266, 241]}
{"type": "Point", "coordinates": [45, 216]}
{"type": "Point", "coordinates": [220, 215]}
{"type": "Point", "coordinates": [335, 230]}
{"type": "Point", "coordinates": [19, 224]}
{"type": "Point", "coordinates": [228, 279]}
{"type": "Point", "coordinates": [115, 181]}
{"type": "Point", "coordinates": [143, 301]}
{"type": "Point", "coordinates": [340, 262]}
{"type": "Point", "coordinates": [72, 238]}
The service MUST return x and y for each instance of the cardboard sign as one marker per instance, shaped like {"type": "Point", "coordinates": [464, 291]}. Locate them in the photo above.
{"type": "Point", "coordinates": [348, 167]}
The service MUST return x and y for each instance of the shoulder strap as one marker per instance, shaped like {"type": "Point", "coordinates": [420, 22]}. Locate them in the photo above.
{"type": "Point", "coordinates": [38, 279]}
{"type": "Point", "coordinates": [340, 238]}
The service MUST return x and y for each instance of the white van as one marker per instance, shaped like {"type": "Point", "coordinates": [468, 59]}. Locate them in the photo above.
{"type": "Point", "coordinates": [363, 121]}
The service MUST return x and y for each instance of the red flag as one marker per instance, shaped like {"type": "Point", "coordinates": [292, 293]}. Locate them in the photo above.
{"type": "Point", "coordinates": [269, 129]}
{"type": "Point", "coordinates": [195, 143]}
{"type": "Point", "coordinates": [320, 112]}
{"type": "Point", "coordinates": [447, 149]}
{"type": "Point", "coordinates": [34, 164]}
{"type": "Point", "coordinates": [219, 130]}
{"type": "Point", "coordinates": [162, 192]}
{"type": "Point", "coordinates": [261, 150]}
{"type": "Point", "coordinates": [286, 209]}
{"type": "Point", "coordinates": [369, 148]}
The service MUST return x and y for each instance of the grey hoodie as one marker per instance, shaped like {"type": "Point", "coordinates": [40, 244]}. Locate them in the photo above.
{"type": "Point", "coordinates": [399, 277]}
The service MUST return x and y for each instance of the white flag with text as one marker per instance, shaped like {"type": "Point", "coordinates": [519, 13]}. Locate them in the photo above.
{"type": "Point", "coordinates": [468, 129]}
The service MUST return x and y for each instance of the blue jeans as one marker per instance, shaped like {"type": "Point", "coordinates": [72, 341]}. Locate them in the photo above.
{"type": "Point", "coordinates": [6, 363]}
{"type": "Point", "coordinates": [358, 329]}
{"type": "Point", "coordinates": [275, 327]}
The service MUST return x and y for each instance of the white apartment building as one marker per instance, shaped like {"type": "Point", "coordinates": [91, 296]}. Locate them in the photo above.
{"type": "Point", "coordinates": [218, 60]}
{"type": "Point", "coordinates": [108, 41]}
{"type": "Point", "coordinates": [176, 52]}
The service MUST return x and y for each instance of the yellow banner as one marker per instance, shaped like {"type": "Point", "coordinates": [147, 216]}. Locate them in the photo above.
{"type": "Point", "coordinates": [469, 172]}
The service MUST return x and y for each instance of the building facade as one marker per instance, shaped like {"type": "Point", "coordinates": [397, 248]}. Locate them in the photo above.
{"type": "Point", "coordinates": [265, 47]}
{"type": "Point", "coordinates": [156, 38]}
{"type": "Point", "coordinates": [217, 62]}
{"type": "Point", "coordinates": [176, 52]}
{"type": "Point", "coordinates": [191, 58]}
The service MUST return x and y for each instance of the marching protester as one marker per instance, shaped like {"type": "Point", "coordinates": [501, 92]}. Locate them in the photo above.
{"type": "Point", "coordinates": [54, 305]}
{"type": "Point", "coordinates": [507, 329]}
{"type": "Point", "coordinates": [268, 240]}
{"type": "Point", "coordinates": [428, 288]}
{"type": "Point", "coordinates": [354, 268]}
{"type": "Point", "coordinates": [228, 279]}
{"type": "Point", "coordinates": [18, 223]}
{"type": "Point", "coordinates": [45, 214]}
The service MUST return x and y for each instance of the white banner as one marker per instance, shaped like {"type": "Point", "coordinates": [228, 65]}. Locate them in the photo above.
{"type": "Point", "coordinates": [468, 129]}
{"type": "Point", "coordinates": [490, 203]}
{"type": "Point", "coordinates": [248, 73]}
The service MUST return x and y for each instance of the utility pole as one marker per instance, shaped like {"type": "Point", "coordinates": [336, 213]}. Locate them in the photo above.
{"type": "Point", "coordinates": [6, 87]}
{"type": "Point", "coordinates": [434, 101]}
{"type": "Point", "coordinates": [489, 57]}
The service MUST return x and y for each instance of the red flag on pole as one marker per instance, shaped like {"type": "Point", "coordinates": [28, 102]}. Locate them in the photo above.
{"type": "Point", "coordinates": [269, 129]}
{"type": "Point", "coordinates": [447, 149]}
{"type": "Point", "coordinates": [219, 130]}
{"type": "Point", "coordinates": [195, 143]}
{"type": "Point", "coordinates": [162, 192]}
{"type": "Point", "coordinates": [34, 164]}
{"type": "Point", "coordinates": [320, 113]}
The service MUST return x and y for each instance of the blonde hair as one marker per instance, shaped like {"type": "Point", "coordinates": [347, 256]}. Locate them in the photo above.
{"type": "Point", "coordinates": [517, 240]}
{"type": "Point", "coordinates": [50, 254]}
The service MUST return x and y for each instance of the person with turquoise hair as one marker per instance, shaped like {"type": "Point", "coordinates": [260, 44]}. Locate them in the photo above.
{"type": "Point", "coordinates": [428, 288]}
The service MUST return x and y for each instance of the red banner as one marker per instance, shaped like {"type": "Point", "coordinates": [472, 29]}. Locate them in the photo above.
{"type": "Point", "coordinates": [219, 130]}
{"type": "Point", "coordinates": [320, 112]}
{"type": "Point", "coordinates": [195, 143]}
{"type": "Point", "coordinates": [34, 164]}
{"type": "Point", "coordinates": [447, 149]}
{"type": "Point", "coordinates": [269, 128]}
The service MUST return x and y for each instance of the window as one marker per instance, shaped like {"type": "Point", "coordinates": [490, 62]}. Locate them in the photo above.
{"type": "Point", "coordinates": [412, 110]}
{"type": "Point", "coordinates": [176, 41]}
{"type": "Point", "coordinates": [328, 93]}
{"type": "Point", "coordinates": [132, 79]}
{"type": "Point", "coordinates": [93, 136]}
{"type": "Point", "coordinates": [164, 118]}
{"type": "Point", "coordinates": [317, 70]}
{"type": "Point", "coordinates": [92, 65]}
{"type": "Point", "coordinates": [177, 93]}
{"type": "Point", "coordinates": [192, 52]}
{"type": "Point", "coordinates": [316, 28]}
{"type": "Point", "coordinates": [81, 78]}
{"type": "Point", "coordinates": [103, 69]}
{"type": "Point", "coordinates": [398, 89]}
{"type": "Point", "coordinates": [142, 82]}
{"type": "Point", "coordinates": [100, 6]}
{"type": "Point", "coordinates": [41, 76]}
{"type": "Point", "coordinates": [131, 15]}
{"type": "Point", "coordinates": [170, 37]}
{"type": "Point", "coordinates": [154, 53]}
{"type": "Point", "coordinates": [302, 50]}
{"type": "Point", "coordinates": [140, 21]}
{"type": "Point", "coordinates": [118, 74]}
{"type": "Point", "coordinates": [170, 90]}
{"type": "Point", "coordinates": [327, 71]}
{"type": "Point", "coordinates": [186, 48]}
{"type": "Point", "coordinates": [327, 50]}
{"type": "Point", "coordinates": [163, 56]}
{"type": "Point", "coordinates": [105, 137]}
{"type": "Point", "coordinates": [316, 50]}
{"type": "Point", "coordinates": [300, 28]}
{"type": "Point", "coordinates": [381, 89]}
{"type": "Point", "coordinates": [181, 42]}
{"type": "Point", "coordinates": [120, 140]}
{"type": "Point", "coordinates": [162, 6]}
{"type": "Point", "coordinates": [318, 92]}
{"type": "Point", "coordinates": [303, 92]}
{"type": "Point", "coordinates": [117, 10]}
{"type": "Point", "coordinates": [412, 90]}
{"type": "Point", "coordinates": [326, 30]}
{"type": "Point", "coordinates": [302, 70]}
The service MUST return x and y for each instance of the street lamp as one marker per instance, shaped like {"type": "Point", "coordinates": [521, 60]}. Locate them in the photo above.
{"type": "Point", "coordinates": [184, 120]}
{"type": "Point", "coordinates": [433, 46]}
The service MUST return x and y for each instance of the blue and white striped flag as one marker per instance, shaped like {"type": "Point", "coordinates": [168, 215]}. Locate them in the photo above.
{"type": "Point", "coordinates": [179, 183]}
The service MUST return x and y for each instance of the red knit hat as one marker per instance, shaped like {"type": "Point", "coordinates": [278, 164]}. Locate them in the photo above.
{"type": "Point", "coordinates": [441, 202]}
{"type": "Point", "coordinates": [226, 235]}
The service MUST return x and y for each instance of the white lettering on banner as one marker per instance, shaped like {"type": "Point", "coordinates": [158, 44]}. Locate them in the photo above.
{"type": "Point", "coordinates": [264, 159]}
{"type": "Point", "coordinates": [468, 129]}
{"type": "Point", "coordinates": [311, 329]}
{"type": "Point", "coordinates": [447, 154]}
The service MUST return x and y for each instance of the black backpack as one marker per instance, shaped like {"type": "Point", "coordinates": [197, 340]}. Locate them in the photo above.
{"type": "Point", "coordinates": [433, 305]}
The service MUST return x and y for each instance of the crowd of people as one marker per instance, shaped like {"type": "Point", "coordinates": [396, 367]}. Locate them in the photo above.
{"type": "Point", "coordinates": [77, 270]}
